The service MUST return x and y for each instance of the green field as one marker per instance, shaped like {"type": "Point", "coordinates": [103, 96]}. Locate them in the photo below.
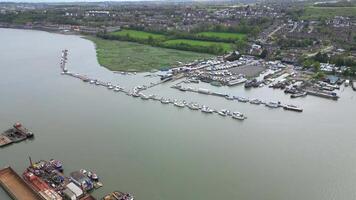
{"type": "Point", "coordinates": [141, 35]}
{"type": "Point", "coordinates": [222, 36]}
{"type": "Point", "coordinates": [129, 56]}
{"type": "Point", "coordinates": [199, 44]}
{"type": "Point", "coordinates": [314, 12]}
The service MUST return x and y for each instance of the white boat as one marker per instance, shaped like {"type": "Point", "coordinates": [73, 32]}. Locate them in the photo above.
{"type": "Point", "coordinates": [193, 106]}
{"type": "Point", "coordinates": [242, 99]}
{"type": "Point", "coordinates": [255, 101]}
{"type": "Point", "coordinates": [301, 94]}
{"type": "Point", "coordinates": [144, 97]}
{"type": "Point", "coordinates": [292, 108]}
{"type": "Point", "coordinates": [135, 94]}
{"type": "Point", "coordinates": [110, 87]}
{"type": "Point", "coordinates": [179, 104]}
{"type": "Point", "coordinates": [206, 109]}
{"type": "Point", "coordinates": [83, 171]}
{"type": "Point", "coordinates": [92, 81]}
{"type": "Point", "coordinates": [116, 89]}
{"type": "Point", "coordinates": [229, 97]}
{"type": "Point", "coordinates": [238, 115]}
{"type": "Point", "coordinates": [165, 101]}
{"type": "Point", "coordinates": [272, 104]}
{"type": "Point", "coordinates": [224, 112]}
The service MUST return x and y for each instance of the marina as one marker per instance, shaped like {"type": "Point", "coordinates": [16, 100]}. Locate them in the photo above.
{"type": "Point", "coordinates": [138, 148]}
{"type": "Point", "coordinates": [136, 91]}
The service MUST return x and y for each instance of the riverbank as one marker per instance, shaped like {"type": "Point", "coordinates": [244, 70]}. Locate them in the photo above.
{"type": "Point", "coordinates": [129, 56]}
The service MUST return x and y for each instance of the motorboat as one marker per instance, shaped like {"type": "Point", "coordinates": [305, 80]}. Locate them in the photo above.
{"type": "Point", "coordinates": [255, 101]}
{"type": "Point", "coordinates": [242, 99]}
{"type": "Point", "coordinates": [301, 94]}
{"type": "Point", "coordinates": [206, 109]}
{"type": "Point", "coordinates": [229, 97]}
{"type": "Point", "coordinates": [144, 97]}
{"type": "Point", "coordinates": [238, 115]}
{"type": "Point", "coordinates": [193, 106]}
{"type": "Point", "coordinates": [273, 104]}
{"type": "Point", "coordinates": [224, 112]}
{"type": "Point", "coordinates": [165, 101]}
{"type": "Point", "coordinates": [179, 104]}
{"type": "Point", "coordinates": [293, 108]}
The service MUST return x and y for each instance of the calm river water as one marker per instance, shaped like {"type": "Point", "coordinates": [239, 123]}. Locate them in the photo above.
{"type": "Point", "coordinates": [160, 152]}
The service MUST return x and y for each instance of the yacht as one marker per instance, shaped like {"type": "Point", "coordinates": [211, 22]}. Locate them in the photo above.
{"type": "Point", "coordinates": [193, 106]}
{"type": "Point", "coordinates": [229, 97]}
{"type": "Point", "coordinates": [206, 109]}
{"type": "Point", "coordinates": [224, 112]}
{"type": "Point", "coordinates": [144, 97]}
{"type": "Point", "coordinates": [179, 104]}
{"type": "Point", "coordinates": [242, 99]}
{"type": "Point", "coordinates": [238, 115]}
{"type": "Point", "coordinates": [301, 94]}
{"type": "Point", "coordinates": [273, 104]}
{"type": "Point", "coordinates": [135, 94]}
{"type": "Point", "coordinates": [292, 108]}
{"type": "Point", "coordinates": [255, 101]}
{"type": "Point", "coordinates": [165, 101]}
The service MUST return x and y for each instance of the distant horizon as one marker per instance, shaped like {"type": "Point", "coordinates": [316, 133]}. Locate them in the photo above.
{"type": "Point", "coordinates": [69, 1]}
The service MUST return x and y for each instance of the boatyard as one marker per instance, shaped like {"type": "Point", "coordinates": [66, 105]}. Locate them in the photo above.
{"type": "Point", "coordinates": [44, 180]}
{"type": "Point", "coordinates": [15, 186]}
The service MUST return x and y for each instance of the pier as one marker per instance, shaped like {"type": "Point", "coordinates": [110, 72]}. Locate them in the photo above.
{"type": "Point", "coordinates": [239, 99]}
{"type": "Point", "coordinates": [15, 186]}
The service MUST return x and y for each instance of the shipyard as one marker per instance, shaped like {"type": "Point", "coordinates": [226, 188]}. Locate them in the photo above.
{"type": "Point", "coordinates": [44, 180]}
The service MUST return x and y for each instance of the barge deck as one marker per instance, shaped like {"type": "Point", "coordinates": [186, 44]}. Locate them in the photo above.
{"type": "Point", "coordinates": [15, 186]}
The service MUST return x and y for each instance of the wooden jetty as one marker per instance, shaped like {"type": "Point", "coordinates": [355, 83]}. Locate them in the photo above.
{"type": "Point", "coordinates": [15, 186]}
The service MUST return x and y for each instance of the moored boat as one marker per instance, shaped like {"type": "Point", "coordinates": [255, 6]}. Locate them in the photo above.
{"type": "Point", "coordinates": [238, 115]}
{"type": "Point", "coordinates": [193, 106]}
{"type": "Point", "coordinates": [224, 112]}
{"type": "Point", "coordinates": [119, 196]}
{"type": "Point", "coordinates": [255, 101]}
{"type": "Point", "coordinates": [242, 99]}
{"type": "Point", "coordinates": [273, 104]}
{"type": "Point", "coordinates": [301, 94]}
{"type": "Point", "coordinates": [179, 104]}
{"type": "Point", "coordinates": [165, 101]}
{"type": "Point", "coordinates": [206, 109]}
{"type": "Point", "coordinates": [293, 108]}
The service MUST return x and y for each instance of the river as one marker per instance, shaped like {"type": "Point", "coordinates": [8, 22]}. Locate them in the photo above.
{"type": "Point", "coordinates": [160, 152]}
